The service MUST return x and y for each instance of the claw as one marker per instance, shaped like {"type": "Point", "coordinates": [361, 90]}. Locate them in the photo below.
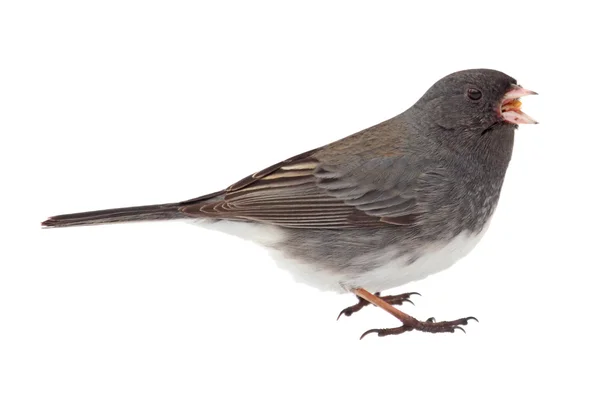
{"type": "Point", "coordinates": [471, 318]}
{"type": "Point", "coordinates": [430, 320]}
{"type": "Point", "coordinates": [458, 327]}
{"type": "Point", "coordinates": [387, 331]}
{"type": "Point", "coordinates": [347, 312]}
{"type": "Point", "coordinates": [369, 332]}
{"type": "Point", "coordinates": [400, 299]}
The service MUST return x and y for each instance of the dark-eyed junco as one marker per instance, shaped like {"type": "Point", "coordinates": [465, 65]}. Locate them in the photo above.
{"type": "Point", "coordinates": [391, 204]}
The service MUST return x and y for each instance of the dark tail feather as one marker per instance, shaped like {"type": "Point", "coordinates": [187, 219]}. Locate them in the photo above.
{"type": "Point", "coordinates": [129, 214]}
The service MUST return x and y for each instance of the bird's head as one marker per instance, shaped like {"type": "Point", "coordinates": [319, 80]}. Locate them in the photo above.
{"type": "Point", "coordinates": [475, 100]}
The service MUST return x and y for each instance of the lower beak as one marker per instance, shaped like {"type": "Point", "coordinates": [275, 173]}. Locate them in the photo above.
{"type": "Point", "coordinates": [510, 108]}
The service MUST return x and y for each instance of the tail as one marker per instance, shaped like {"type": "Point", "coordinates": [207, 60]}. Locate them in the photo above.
{"type": "Point", "coordinates": [116, 215]}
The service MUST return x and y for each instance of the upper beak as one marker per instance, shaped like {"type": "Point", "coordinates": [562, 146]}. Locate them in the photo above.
{"type": "Point", "coordinates": [510, 108]}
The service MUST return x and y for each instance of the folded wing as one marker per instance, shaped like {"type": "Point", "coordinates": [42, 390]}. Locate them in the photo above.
{"type": "Point", "coordinates": [307, 191]}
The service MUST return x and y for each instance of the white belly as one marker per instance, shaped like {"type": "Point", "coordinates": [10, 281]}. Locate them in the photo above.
{"type": "Point", "coordinates": [433, 259]}
{"type": "Point", "coordinates": [389, 270]}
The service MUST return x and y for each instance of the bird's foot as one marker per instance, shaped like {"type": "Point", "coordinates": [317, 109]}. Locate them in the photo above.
{"type": "Point", "coordinates": [391, 299]}
{"type": "Point", "coordinates": [430, 326]}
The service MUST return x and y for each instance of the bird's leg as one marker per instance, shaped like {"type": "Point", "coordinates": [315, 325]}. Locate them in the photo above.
{"type": "Point", "coordinates": [391, 299]}
{"type": "Point", "coordinates": [409, 323]}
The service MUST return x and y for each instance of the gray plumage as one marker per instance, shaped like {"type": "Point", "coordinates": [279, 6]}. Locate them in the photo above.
{"type": "Point", "coordinates": [416, 180]}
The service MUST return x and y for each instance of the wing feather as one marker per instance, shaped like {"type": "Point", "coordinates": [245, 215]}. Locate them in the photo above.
{"type": "Point", "coordinates": [307, 192]}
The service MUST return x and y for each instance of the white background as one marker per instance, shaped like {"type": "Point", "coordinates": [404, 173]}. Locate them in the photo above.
{"type": "Point", "coordinates": [118, 103]}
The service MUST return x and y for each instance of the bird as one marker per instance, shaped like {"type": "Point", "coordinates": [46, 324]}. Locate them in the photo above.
{"type": "Point", "coordinates": [385, 206]}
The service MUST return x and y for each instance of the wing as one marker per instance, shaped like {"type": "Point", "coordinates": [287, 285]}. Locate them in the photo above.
{"type": "Point", "coordinates": [317, 189]}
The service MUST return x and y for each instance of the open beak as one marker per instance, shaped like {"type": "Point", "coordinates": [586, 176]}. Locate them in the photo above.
{"type": "Point", "coordinates": [510, 107]}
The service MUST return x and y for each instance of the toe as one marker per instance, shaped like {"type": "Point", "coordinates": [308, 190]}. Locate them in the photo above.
{"type": "Point", "coordinates": [347, 312]}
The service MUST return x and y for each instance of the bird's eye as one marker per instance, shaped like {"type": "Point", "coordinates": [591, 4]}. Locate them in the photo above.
{"type": "Point", "coordinates": [474, 94]}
